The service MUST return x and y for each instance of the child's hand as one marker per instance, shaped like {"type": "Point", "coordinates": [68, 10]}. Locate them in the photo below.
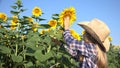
{"type": "Point", "coordinates": [66, 22]}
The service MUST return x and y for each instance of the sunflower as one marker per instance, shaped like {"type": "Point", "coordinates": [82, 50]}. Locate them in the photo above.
{"type": "Point", "coordinates": [110, 38]}
{"type": "Point", "coordinates": [30, 19]}
{"type": "Point", "coordinates": [3, 16]}
{"type": "Point", "coordinates": [75, 34]}
{"type": "Point", "coordinates": [71, 12]}
{"type": "Point", "coordinates": [34, 26]}
{"type": "Point", "coordinates": [47, 30]}
{"type": "Point", "coordinates": [52, 23]}
{"type": "Point", "coordinates": [36, 11]}
{"type": "Point", "coordinates": [42, 31]}
{"type": "Point", "coordinates": [15, 19]}
{"type": "Point", "coordinates": [13, 26]}
{"type": "Point", "coordinates": [72, 31]}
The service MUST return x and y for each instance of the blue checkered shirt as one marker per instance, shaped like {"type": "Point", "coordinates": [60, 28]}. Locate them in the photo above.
{"type": "Point", "coordinates": [77, 48]}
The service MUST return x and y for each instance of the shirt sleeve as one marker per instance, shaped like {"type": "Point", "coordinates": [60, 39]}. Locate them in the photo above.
{"type": "Point", "coordinates": [75, 46]}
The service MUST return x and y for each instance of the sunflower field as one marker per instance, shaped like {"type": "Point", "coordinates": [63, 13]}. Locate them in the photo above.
{"type": "Point", "coordinates": [27, 43]}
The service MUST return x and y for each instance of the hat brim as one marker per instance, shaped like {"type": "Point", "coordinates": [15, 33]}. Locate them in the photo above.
{"type": "Point", "coordinates": [103, 45]}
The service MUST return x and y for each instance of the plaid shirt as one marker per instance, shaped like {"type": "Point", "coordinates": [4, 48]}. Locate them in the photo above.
{"type": "Point", "coordinates": [77, 48]}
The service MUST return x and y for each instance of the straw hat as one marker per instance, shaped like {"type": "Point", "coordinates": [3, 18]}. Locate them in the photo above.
{"type": "Point", "coordinates": [99, 31]}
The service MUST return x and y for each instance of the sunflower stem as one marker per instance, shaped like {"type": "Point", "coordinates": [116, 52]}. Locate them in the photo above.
{"type": "Point", "coordinates": [16, 50]}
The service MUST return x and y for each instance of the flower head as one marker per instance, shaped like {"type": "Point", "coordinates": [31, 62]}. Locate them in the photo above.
{"type": "Point", "coordinates": [70, 12]}
{"type": "Point", "coordinates": [34, 26]}
{"type": "Point", "coordinates": [13, 26]}
{"type": "Point", "coordinates": [36, 11]}
{"type": "Point", "coordinates": [75, 35]}
{"type": "Point", "coordinates": [30, 19]}
{"type": "Point", "coordinates": [72, 31]}
{"type": "Point", "coordinates": [42, 31]}
{"type": "Point", "coordinates": [110, 38]}
{"type": "Point", "coordinates": [3, 16]}
{"type": "Point", "coordinates": [15, 19]}
{"type": "Point", "coordinates": [52, 23]}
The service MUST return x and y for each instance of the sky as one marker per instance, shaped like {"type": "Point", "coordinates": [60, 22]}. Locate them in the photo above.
{"type": "Point", "coordinates": [86, 10]}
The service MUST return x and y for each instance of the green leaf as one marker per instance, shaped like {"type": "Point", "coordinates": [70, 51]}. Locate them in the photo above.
{"type": "Point", "coordinates": [10, 18]}
{"type": "Point", "coordinates": [17, 58]}
{"type": "Point", "coordinates": [55, 18]}
{"type": "Point", "coordinates": [1, 21]}
{"type": "Point", "coordinates": [14, 12]}
{"type": "Point", "coordinates": [31, 45]}
{"type": "Point", "coordinates": [19, 3]}
{"type": "Point", "coordinates": [47, 40]}
{"type": "Point", "coordinates": [22, 10]}
{"type": "Point", "coordinates": [59, 35]}
{"type": "Point", "coordinates": [4, 49]}
{"type": "Point", "coordinates": [55, 15]}
{"type": "Point", "coordinates": [44, 26]}
{"type": "Point", "coordinates": [48, 55]}
{"type": "Point", "coordinates": [29, 65]}
{"type": "Point", "coordinates": [25, 17]}
{"type": "Point", "coordinates": [41, 19]}
{"type": "Point", "coordinates": [29, 54]}
{"type": "Point", "coordinates": [14, 7]}
{"type": "Point", "coordinates": [0, 65]}
{"type": "Point", "coordinates": [41, 57]}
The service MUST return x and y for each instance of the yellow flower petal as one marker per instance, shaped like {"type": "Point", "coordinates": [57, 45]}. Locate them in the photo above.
{"type": "Point", "coordinates": [71, 12]}
{"type": "Point", "coordinates": [13, 26]}
{"type": "Point", "coordinates": [42, 31]}
{"type": "Point", "coordinates": [48, 30]}
{"type": "Point", "coordinates": [36, 11]}
{"type": "Point", "coordinates": [30, 19]}
{"type": "Point", "coordinates": [72, 31]}
{"type": "Point", "coordinates": [110, 38]}
{"type": "Point", "coordinates": [52, 23]}
{"type": "Point", "coordinates": [83, 32]}
{"type": "Point", "coordinates": [75, 34]}
{"type": "Point", "coordinates": [34, 26]}
{"type": "Point", "coordinates": [15, 19]}
{"type": "Point", "coordinates": [34, 29]}
{"type": "Point", "coordinates": [3, 16]}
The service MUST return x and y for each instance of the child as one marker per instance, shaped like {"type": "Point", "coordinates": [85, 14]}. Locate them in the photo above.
{"type": "Point", "coordinates": [91, 51]}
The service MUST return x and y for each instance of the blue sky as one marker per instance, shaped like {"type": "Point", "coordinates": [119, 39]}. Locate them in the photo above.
{"type": "Point", "coordinates": [106, 10]}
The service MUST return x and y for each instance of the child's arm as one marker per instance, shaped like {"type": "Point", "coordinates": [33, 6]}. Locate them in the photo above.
{"type": "Point", "coordinates": [74, 45]}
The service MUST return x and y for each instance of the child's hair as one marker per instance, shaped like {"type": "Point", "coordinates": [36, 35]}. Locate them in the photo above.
{"type": "Point", "coordinates": [101, 55]}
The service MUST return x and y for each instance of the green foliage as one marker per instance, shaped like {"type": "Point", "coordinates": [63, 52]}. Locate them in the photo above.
{"type": "Point", "coordinates": [113, 57]}
{"type": "Point", "coordinates": [25, 48]}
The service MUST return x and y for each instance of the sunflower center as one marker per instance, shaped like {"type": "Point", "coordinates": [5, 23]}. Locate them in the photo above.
{"type": "Point", "coordinates": [15, 20]}
{"type": "Point", "coordinates": [30, 19]}
{"type": "Point", "coordinates": [37, 10]}
{"type": "Point", "coordinates": [3, 17]}
{"type": "Point", "coordinates": [52, 23]}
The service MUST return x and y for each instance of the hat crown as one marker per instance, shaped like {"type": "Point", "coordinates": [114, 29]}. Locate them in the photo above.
{"type": "Point", "coordinates": [100, 28]}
